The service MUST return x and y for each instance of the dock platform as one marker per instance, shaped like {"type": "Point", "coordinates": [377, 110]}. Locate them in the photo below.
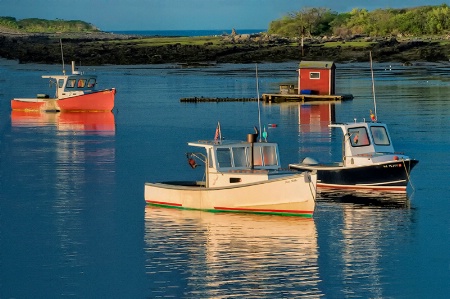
{"type": "Point", "coordinates": [273, 98]}
{"type": "Point", "coordinates": [215, 100]}
{"type": "Point", "coordinates": [281, 98]}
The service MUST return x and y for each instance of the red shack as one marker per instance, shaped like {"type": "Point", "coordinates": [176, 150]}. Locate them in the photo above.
{"type": "Point", "coordinates": [316, 77]}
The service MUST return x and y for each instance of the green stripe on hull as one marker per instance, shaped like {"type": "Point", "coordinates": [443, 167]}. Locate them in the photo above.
{"type": "Point", "coordinates": [306, 215]}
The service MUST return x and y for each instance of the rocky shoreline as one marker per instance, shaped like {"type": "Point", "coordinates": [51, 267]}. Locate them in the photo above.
{"type": "Point", "coordinates": [101, 48]}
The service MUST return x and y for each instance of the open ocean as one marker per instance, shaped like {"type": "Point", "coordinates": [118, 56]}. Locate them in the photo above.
{"type": "Point", "coordinates": [73, 222]}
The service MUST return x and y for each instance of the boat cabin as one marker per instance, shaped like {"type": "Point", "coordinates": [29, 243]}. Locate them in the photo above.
{"type": "Point", "coordinates": [72, 85]}
{"type": "Point", "coordinates": [237, 162]}
{"type": "Point", "coordinates": [364, 141]}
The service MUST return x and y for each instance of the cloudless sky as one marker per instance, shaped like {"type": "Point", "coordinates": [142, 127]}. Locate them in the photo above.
{"type": "Point", "coordinates": [110, 15]}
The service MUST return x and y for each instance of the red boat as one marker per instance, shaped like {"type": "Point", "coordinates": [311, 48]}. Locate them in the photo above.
{"type": "Point", "coordinates": [75, 92]}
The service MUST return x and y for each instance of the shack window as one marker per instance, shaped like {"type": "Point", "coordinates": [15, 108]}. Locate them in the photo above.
{"type": "Point", "coordinates": [223, 157]}
{"type": "Point", "coordinates": [71, 83]}
{"type": "Point", "coordinates": [314, 75]}
{"type": "Point", "coordinates": [358, 136]}
{"type": "Point", "coordinates": [60, 83]}
{"type": "Point", "coordinates": [380, 136]}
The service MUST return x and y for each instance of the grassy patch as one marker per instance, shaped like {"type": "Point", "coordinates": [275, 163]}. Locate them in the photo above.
{"type": "Point", "coordinates": [162, 41]}
{"type": "Point", "coordinates": [355, 44]}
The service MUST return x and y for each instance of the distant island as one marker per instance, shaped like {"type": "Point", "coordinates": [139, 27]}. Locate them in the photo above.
{"type": "Point", "coordinates": [35, 25]}
{"type": "Point", "coordinates": [403, 35]}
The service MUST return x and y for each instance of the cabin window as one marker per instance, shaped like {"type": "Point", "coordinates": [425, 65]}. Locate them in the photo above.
{"type": "Point", "coordinates": [81, 83]}
{"type": "Point", "coordinates": [265, 155]}
{"type": "Point", "coordinates": [91, 83]}
{"type": "Point", "coordinates": [239, 157]}
{"type": "Point", "coordinates": [380, 136]}
{"type": "Point", "coordinates": [223, 157]}
{"type": "Point", "coordinates": [358, 136]}
{"type": "Point", "coordinates": [314, 75]}
{"type": "Point", "coordinates": [257, 156]}
{"type": "Point", "coordinates": [71, 83]}
{"type": "Point", "coordinates": [60, 83]}
{"type": "Point", "coordinates": [270, 155]}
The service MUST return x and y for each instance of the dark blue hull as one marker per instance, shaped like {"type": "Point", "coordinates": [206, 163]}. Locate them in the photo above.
{"type": "Point", "coordinates": [390, 176]}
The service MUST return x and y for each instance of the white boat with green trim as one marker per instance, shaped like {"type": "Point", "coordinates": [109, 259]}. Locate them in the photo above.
{"type": "Point", "coordinates": [240, 176]}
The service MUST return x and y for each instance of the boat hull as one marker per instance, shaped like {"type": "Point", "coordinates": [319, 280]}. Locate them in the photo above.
{"type": "Point", "coordinates": [392, 176]}
{"type": "Point", "coordinates": [292, 195]}
{"type": "Point", "coordinates": [96, 101]}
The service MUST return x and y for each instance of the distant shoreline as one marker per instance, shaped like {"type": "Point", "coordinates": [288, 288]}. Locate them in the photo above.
{"type": "Point", "coordinates": [101, 48]}
{"type": "Point", "coordinates": [186, 33]}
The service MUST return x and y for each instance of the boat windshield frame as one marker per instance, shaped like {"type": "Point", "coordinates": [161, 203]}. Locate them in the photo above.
{"type": "Point", "coordinates": [229, 156]}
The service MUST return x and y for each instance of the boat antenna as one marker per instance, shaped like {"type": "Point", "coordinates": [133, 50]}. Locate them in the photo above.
{"type": "Point", "coordinates": [62, 57]}
{"type": "Point", "coordinates": [259, 108]}
{"type": "Point", "coordinates": [373, 88]}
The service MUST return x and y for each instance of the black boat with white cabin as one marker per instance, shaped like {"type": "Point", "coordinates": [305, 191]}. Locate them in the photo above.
{"type": "Point", "coordinates": [369, 161]}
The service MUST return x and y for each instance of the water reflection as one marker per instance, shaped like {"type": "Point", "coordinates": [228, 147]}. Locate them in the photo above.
{"type": "Point", "coordinates": [63, 165]}
{"type": "Point", "coordinates": [89, 122]}
{"type": "Point", "coordinates": [214, 255]}
{"type": "Point", "coordinates": [367, 198]}
{"type": "Point", "coordinates": [358, 242]}
{"type": "Point", "coordinates": [316, 117]}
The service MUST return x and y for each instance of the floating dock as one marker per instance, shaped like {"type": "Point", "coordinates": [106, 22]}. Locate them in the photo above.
{"type": "Point", "coordinates": [281, 98]}
{"type": "Point", "coordinates": [273, 98]}
{"type": "Point", "coordinates": [216, 100]}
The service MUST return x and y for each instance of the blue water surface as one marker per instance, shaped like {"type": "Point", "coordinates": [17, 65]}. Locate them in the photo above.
{"type": "Point", "coordinates": [73, 222]}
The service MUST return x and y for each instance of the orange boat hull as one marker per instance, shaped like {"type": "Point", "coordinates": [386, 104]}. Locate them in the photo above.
{"type": "Point", "coordinates": [25, 105]}
{"type": "Point", "coordinates": [96, 101]}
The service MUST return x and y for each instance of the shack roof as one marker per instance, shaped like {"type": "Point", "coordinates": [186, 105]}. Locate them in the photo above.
{"type": "Point", "coordinates": [316, 64]}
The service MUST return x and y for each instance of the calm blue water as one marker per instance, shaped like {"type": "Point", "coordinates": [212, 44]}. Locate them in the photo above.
{"type": "Point", "coordinates": [188, 32]}
{"type": "Point", "coordinates": [73, 222]}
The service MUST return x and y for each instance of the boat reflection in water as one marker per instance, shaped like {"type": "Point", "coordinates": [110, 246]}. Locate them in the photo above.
{"type": "Point", "coordinates": [367, 198]}
{"type": "Point", "coordinates": [101, 123]}
{"type": "Point", "coordinates": [223, 255]}
{"type": "Point", "coordinates": [360, 242]}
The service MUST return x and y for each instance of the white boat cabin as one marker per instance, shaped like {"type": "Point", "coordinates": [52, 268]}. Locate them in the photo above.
{"type": "Point", "coordinates": [366, 143]}
{"type": "Point", "coordinates": [72, 85]}
{"type": "Point", "coordinates": [230, 163]}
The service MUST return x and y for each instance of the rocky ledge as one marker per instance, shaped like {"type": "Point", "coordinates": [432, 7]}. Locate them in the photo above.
{"type": "Point", "coordinates": [99, 48]}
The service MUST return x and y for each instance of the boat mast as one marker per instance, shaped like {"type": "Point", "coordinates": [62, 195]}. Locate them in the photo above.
{"type": "Point", "coordinates": [62, 57]}
{"type": "Point", "coordinates": [373, 88]}
{"type": "Point", "coordinates": [259, 109]}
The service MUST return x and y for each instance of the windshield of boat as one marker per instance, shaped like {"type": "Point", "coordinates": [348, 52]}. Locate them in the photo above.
{"type": "Point", "coordinates": [232, 157]}
{"type": "Point", "coordinates": [70, 83]}
{"type": "Point", "coordinates": [91, 83]}
{"type": "Point", "coordinates": [240, 156]}
{"type": "Point", "coordinates": [358, 136]}
{"type": "Point", "coordinates": [380, 136]}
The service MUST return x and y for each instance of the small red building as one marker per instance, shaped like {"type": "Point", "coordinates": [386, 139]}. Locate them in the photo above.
{"type": "Point", "coordinates": [316, 77]}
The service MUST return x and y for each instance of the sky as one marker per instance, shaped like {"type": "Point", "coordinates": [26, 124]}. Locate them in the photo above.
{"type": "Point", "coordinates": [116, 15]}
